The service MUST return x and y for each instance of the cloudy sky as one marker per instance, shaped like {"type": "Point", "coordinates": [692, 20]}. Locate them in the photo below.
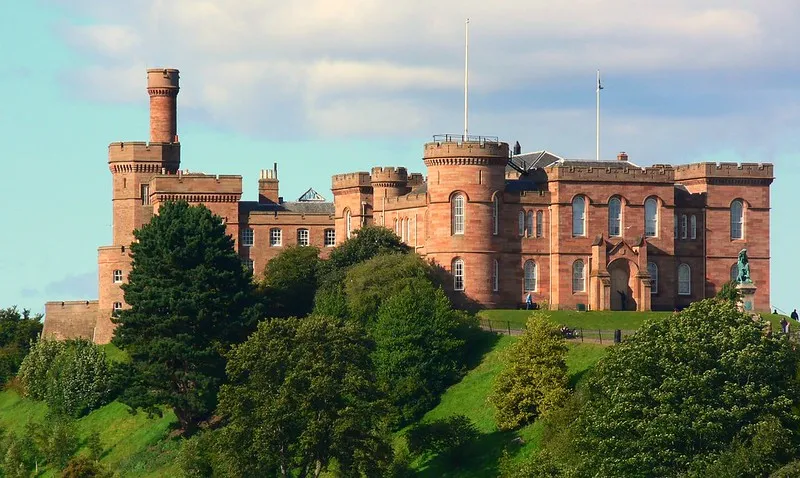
{"type": "Point", "coordinates": [329, 86]}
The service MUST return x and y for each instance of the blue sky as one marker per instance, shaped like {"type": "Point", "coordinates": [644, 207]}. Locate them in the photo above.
{"type": "Point", "coordinates": [323, 87]}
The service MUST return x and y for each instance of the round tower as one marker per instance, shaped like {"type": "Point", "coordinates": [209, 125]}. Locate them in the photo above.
{"type": "Point", "coordinates": [162, 86]}
{"type": "Point", "coordinates": [389, 182]}
{"type": "Point", "coordinates": [464, 177]}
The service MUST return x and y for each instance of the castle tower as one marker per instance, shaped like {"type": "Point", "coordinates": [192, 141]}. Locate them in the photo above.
{"type": "Point", "coordinates": [352, 200]}
{"type": "Point", "coordinates": [464, 177]}
{"type": "Point", "coordinates": [387, 183]}
{"type": "Point", "coordinates": [133, 165]}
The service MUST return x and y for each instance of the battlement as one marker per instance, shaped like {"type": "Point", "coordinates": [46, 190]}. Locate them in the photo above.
{"type": "Point", "coordinates": [220, 187]}
{"type": "Point", "coordinates": [451, 146]}
{"type": "Point", "coordinates": [586, 172]}
{"type": "Point", "coordinates": [389, 175]}
{"type": "Point", "coordinates": [723, 170]}
{"type": "Point", "coordinates": [168, 154]}
{"type": "Point", "coordinates": [416, 179]}
{"type": "Point", "coordinates": [406, 201]}
{"type": "Point", "coordinates": [351, 180]}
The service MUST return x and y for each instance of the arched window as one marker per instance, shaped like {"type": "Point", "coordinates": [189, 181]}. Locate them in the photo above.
{"type": "Point", "coordinates": [693, 227]}
{"type": "Point", "coordinates": [539, 223]}
{"type": "Point", "coordinates": [397, 227]}
{"type": "Point", "coordinates": [684, 280]}
{"type": "Point", "coordinates": [614, 217]}
{"type": "Point", "coordinates": [458, 214]}
{"type": "Point", "coordinates": [530, 276]}
{"type": "Point", "coordinates": [578, 276]}
{"type": "Point", "coordinates": [458, 274]}
{"type": "Point", "coordinates": [521, 223]}
{"type": "Point", "coordinates": [737, 220]}
{"type": "Point", "coordinates": [651, 217]}
{"type": "Point", "coordinates": [579, 216]}
{"type": "Point", "coordinates": [495, 276]}
{"type": "Point", "coordinates": [684, 226]}
{"type": "Point", "coordinates": [347, 223]}
{"type": "Point", "coordinates": [734, 272]}
{"type": "Point", "coordinates": [529, 224]}
{"type": "Point", "coordinates": [496, 214]}
{"type": "Point", "coordinates": [407, 231]}
{"type": "Point", "coordinates": [652, 269]}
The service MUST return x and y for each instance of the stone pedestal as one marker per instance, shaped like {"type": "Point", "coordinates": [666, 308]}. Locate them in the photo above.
{"type": "Point", "coordinates": [747, 293]}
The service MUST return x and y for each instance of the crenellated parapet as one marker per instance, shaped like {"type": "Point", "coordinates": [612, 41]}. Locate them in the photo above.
{"type": "Point", "coordinates": [728, 173]}
{"type": "Point", "coordinates": [350, 180]}
{"type": "Point", "coordinates": [662, 173]}
{"type": "Point", "coordinates": [478, 150]}
{"type": "Point", "coordinates": [143, 157]}
{"type": "Point", "coordinates": [406, 201]}
{"type": "Point", "coordinates": [389, 176]}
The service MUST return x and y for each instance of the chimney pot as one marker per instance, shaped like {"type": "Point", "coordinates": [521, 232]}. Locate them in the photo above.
{"type": "Point", "coordinates": [623, 156]}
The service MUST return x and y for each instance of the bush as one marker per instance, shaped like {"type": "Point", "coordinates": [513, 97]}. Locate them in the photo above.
{"type": "Point", "coordinates": [54, 440]}
{"type": "Point", "coordinates": [535, 378]}
{"type": "Point", "coordinates": [448, 438]}
{"type": "Point", "coordinates": [729, 292]}
{"type": "Point", "coordinates": [72, 377]}
{"type": "Point", "coordinates": [83, 467]}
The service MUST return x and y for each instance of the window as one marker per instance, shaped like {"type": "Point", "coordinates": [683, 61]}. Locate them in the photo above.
{"type": "Point", "coordinates": [117, 276]}
{"type": "Point", "coordinates": [458, 214]}
{"type": "Point", "coordinates": [347, 223]}
{"type": "Point", "coordinates": [734, 272]}
{"type": "Point", "coordinates": [539, 223]}
{"type": "Point", "coordinates": [495, 215]}
{"type": "Point", "coordinates": [529, 224]}
{"type": "Point", "coordinates": [116, 308]}
{"type": "Point", "coordinates": [684, 280]}
{"type": "Point", "coordinates": [302, 237]}
{"type": "Point", "coordinates": [275, 237]}
{"type": "Point", "coordinates": [684, 226]}
{"type": "Point", "coordinates": [330, 237]}
{"type": "Point", "coordinates": [530, 275]}
{"type": "Point", "coordinates": [145, 194]}
{"type": "Point", "coordinates": [652, 269]}
{"type": "Point", "coordinates": [651, 217]}
{"type": "Point", "coordinates": [247, 237]}
{"type": "Point", "coordinates": [579, 216]}
{"type": "Point", "coordinates": [458, 274]}
{"type": "Point", "coordinates": [521, 223]}
{"type": "Point", "coordinates": [495, 276]}
{"type": "Point", "coordinates": [578, 276]}
{"type": "Point", "coordinates": [693, 227]}
{"type": "Point", "coordinates": [614, 217]}
{"type": "Point", "coordinates": [250, 264]}
{"type": "Point", "coordinates": [737, 220]}
{"type": "Point", "coordinates": [675, 224]}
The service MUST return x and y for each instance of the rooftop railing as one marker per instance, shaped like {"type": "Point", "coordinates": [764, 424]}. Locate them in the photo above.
{"type": "Point", "coordinates": [460, 138]}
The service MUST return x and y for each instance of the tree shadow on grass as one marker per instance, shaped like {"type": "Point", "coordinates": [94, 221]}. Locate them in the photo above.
{"type": "Point", "coordinates": [479, 343]}
{"type": "Point", "coordinates": [575, 378]}
{"type": "Point", "coordinates": [479, 459]}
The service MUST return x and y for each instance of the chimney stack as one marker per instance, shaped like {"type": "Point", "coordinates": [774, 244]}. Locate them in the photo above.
{"type": "Point", "coordinates": [623, 156]}
{"type": "Point", "coordinates": [268, 186]}
{"type": "Point", "coordinates": [162, 86]}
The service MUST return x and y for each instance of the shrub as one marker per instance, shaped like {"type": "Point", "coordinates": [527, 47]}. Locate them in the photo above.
{"type": "Point", "coordinates": [36, 365]}
{"type": "Point", "coordinates": [84, 467]}
{"type": "Point", "coordinates": [448, 438]}
{"type": "Point", "coordinates": [535, 378]}
{"type": "Point", "coordinates": [729, 292]}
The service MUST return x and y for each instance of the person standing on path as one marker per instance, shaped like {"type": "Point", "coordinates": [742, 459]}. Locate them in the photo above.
{"type": "Point", "coordinates": [794, 315]}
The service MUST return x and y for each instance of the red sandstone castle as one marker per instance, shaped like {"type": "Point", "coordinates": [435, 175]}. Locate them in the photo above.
{"type": "Point", "coordinates": [573, 233]}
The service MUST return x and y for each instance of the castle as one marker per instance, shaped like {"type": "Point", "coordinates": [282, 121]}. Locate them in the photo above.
{"type": "Point", "coordinates": [574, 234]}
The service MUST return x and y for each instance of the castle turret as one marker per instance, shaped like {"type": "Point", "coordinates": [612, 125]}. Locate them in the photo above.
{"type": "Point", "coordinates": [162, 86]}
{"type": "Point", "coordinates": [464, 177]}
{"type": "Point", "coordinates": [352, 200]}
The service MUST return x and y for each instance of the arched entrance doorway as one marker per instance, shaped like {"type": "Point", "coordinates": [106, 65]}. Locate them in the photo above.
{"type": "Point", "coordinates": [622, 296]}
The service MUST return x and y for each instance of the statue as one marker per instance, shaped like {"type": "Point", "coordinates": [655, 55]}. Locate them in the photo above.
{"type": "Point", "coordinates": [743, 277]}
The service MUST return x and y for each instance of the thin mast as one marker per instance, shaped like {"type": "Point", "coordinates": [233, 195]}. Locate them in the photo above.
{"type": "Point", "coordinates": [466, 79]}
{"type": "Point", "coordinates": [599, 87]}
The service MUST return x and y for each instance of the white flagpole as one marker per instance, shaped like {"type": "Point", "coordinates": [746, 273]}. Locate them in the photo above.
{"type": "Point", "coordinates": [466, 79]}
{"type": "Point", "coordinates": [597, 154]}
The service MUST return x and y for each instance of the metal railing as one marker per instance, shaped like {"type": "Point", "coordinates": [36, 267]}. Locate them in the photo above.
{"type": "Point", "coordinates": [460, 138]}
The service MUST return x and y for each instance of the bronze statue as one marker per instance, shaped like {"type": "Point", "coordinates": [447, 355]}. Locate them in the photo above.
{"type": "Point", "coordinates": [743, 277]}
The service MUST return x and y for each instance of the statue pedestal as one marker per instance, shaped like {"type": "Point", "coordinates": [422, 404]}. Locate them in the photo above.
{"type": "Point", "coordinates": [747, 292]}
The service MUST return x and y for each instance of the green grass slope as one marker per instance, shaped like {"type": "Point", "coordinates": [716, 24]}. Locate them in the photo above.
{"type": "Point", "coordinates": [469, 398]}
{"type": "Point", "coordinates": [595, 319]}
{"type": "Point", "coordinates": [135, 445]}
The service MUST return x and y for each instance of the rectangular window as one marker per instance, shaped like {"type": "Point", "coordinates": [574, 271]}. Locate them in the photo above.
{"type": "Point", "coordinates": [275, 237]}
{"type": "Point", "coordinates": [247, 237]}
{"type": "Point", "coordinates": [250, 264]}
{"type": "Point", "coordinates": [117, 276]}
{"type": "Point", "coordinates": [302, 237]}
{"type": "Point", "coordinates": [693, 227]}
{"type": "Point", "coordinates": [495, 276]}
{"type": "Point", "coordinates": [539, 224]}
{"type": "Point", "coordinates": [458, 275]}
{"type": "Point", "coordinates": [116, 308]}
{"type": "Point", "coordinates": [684, 226]}
{"type": "Point", "coordinates": [145, 194]}
{"type": "Point", "coordinates": [330, 237]}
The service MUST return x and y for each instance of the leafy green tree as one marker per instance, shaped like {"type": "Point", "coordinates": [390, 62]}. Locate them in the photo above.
{"type": "Point", "coordinates": [191, 299]}
{"type": "Point", "coordinates": [418, 349]}
{"type": "Point", "coordinates": [301, 395]}
{"type": "Point", "coordinates": [729, 292]}
{"type": "Point", "coordinates": [35, 369]}
{"type": "Point", "coordinates": [534, 380]}
{"type": "Point", "coordinates": [14, 465]}
{"type": "Point", "coordinates": [290, 281]}
{"type": "Point", "coordinates": [682, 391]}
{"type": "Point", "coordinates": [85, 467]}
{"type": "Point", "coordinates": [18, 329]}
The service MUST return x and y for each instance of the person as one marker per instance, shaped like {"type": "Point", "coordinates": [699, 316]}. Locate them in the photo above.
{"type": "Point", "coordinates": [794, 314]}
{"type": "Point", "coordinates": [528, 302]}
{"type": "Point", "coordinates": [784, 325]}
{"type": "Point", "coordinates": [775, 312]}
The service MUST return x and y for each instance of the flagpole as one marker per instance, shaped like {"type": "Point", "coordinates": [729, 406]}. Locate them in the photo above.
{"type": "Point", "coordinates": [597, 154]}
{"type": "Point", "coordinates": [466, 79]}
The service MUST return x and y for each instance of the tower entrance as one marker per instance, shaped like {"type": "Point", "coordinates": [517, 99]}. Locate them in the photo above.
{"type": "Point", "coordinates": [622, 295]}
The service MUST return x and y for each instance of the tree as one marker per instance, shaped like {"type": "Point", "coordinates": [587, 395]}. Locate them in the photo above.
{"type": "Point", "coordinates": [17, 331]}
{"type": "Point", "coordinates": [190, 298]}
{"type": "Point", "coordinates": [301, 395]}
{"type": "Point", "coordinates": [418, 349]}
{"type": "Point", "coordinates": [680, 392]}
{"type": "Point", "coordinates": [290, 281]}
{"type": "Point", "coordinates": [534, 380]}
{"type": "Point", "coordinates": [729, 292]}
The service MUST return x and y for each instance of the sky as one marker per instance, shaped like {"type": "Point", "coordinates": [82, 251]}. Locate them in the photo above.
{"type": "Point", "coordinates": [329, 86]}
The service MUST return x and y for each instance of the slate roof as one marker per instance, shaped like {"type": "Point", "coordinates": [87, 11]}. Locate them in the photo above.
{"type": "Point", "coordinates": [527, 161]}
{"type": "Point", "coordinates": [591, 163]}
{"type": "Point", "coordinates": [295, 207]}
